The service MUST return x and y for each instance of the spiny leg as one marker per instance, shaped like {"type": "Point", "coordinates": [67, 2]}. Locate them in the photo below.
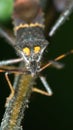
{"type": "Point", "coordinates": [56, 59]}
{"type": "Point", "coordinates": [63, 17]}
{"type": "Point", "coordinates": [11, 89]}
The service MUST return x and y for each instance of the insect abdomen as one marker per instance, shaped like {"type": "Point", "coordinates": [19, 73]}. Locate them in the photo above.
{"type": "Point", "coordinates": [14, 111]}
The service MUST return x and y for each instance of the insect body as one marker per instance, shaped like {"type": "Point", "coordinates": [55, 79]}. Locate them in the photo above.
{"type": "Point", "coordinates": [28, 20]}
{"type": "Point", "coordinates": [30, 45]}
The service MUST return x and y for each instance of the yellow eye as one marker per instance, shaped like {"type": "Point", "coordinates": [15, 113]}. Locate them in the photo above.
{"type": "Point", "coordinates": [37, 49]}
{"type": "Point", "coordinates": [26, 50]}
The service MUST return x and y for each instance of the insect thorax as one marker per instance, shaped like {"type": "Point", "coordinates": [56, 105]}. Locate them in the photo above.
{"type": "Point", "coordinates": [31, 44]}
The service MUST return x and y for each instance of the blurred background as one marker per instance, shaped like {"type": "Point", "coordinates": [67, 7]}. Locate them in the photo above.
{"type": "Point", "coordinates": [51, 113]}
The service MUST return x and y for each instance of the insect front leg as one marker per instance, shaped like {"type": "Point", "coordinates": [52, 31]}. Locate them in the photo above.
{"type": "Point", "coordinates": [12, 61]}
{"type": "Point", "coordinates": [11, 89]}
{"type": "Point", "coordinates": [11, 70]}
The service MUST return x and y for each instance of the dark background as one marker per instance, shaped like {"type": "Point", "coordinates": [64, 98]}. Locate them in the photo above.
{"type": "Point", "coordinates": [51, 113]}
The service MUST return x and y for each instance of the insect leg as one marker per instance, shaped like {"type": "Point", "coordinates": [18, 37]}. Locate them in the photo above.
{"type": "Point", "coordinates": [11, 89]}
{"type": "Point", "coordinates": [40, 91]}
{"type": "Point", "coordinates": [63, 17]}
{"type": "Point", "coordinates": [47, 87]}
{"type": "Point", "coordinates": [10, 70]}
{"type": "Point", "coordinates": [56, 59]}
{"type": "Point", "coordinates": [9, 38]}
{"type": "Point", "coordinates": [7, 62]}
{"type": "Point", "coordinates": [14, 70]}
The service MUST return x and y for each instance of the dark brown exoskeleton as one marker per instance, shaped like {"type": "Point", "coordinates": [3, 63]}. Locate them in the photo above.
{"type": "Point", "coordinates": [30, 43]}
{"type": "Point", "coordinates": [29, 31]}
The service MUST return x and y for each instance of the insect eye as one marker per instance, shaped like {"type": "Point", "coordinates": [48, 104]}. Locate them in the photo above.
{"type": "Point", "coordinates": [37, 49]}
{"type": "Point", "coordinates": [26, 50]}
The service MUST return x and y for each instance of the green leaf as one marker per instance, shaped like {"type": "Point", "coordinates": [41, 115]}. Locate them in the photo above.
{"type": "Point", "coordinates": [6, 8]}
